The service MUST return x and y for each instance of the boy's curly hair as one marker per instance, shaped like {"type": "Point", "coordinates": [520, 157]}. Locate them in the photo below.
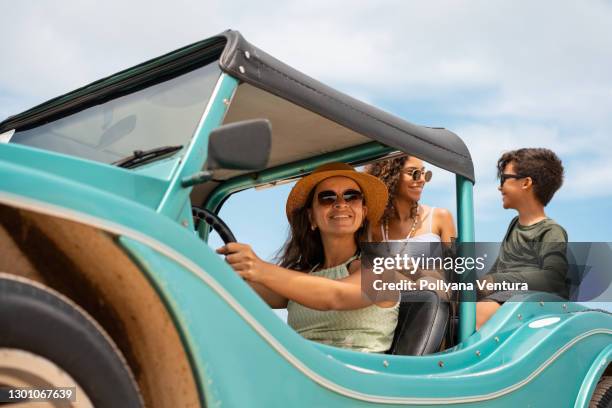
{"type": "Point", "coordinates": [542, 165]}
{"type": "Point", "coordinates": [389, 172]}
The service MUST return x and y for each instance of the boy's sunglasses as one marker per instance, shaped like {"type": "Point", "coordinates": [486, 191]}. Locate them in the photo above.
{"type": "Point", "coordinates": [328, 197]}
{"type": "Point", "coordinates": [416, 174]}
{"type": "Point", "coordinates": [503, 177]}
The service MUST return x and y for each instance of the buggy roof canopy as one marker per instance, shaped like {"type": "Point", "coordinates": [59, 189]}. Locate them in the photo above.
{"type": "Point", "coordinates": [258, 71]}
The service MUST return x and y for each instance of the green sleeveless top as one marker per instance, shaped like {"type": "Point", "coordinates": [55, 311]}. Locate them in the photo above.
{"type": "Point", "coordinates": [369, 329]}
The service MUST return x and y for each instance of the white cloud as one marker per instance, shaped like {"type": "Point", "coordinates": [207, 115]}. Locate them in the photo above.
{"type": "Point", "coordinates": [588, 172]}
{"type": "Point", "coordinates": [516, 46]}
{"type": "Point", "coordinates": [588, 179]}
{"type": "Point", "coordinates": [536, 73]}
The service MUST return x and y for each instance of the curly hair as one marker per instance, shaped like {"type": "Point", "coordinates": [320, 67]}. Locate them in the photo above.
{"type": "Point", "coordinates": [542, 165]}
{"type": "Point", "coordinates": [389, 172]}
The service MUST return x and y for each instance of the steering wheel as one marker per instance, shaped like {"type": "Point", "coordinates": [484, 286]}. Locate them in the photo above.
{"type": "Point", "coordinates": [212, 219]}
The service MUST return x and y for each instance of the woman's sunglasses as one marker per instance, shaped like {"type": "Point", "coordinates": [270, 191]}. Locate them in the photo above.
{"type": "Point", "coordinates": [329, 198]}
{"type": "Point", "coordinates": [416, 174]}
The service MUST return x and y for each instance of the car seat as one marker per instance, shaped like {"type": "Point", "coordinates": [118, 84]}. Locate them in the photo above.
{"type": "Point", "coordinates": [422, 323]}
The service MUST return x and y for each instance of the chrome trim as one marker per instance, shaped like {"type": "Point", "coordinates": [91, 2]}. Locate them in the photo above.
{"type": "Point", "coordinates": [61, 212]}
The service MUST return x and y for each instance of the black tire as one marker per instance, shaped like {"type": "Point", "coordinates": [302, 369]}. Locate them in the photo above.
{"type": "Point", "coordinates": [39, 320]}
{"type": "Point", "coordinates": [602, 396]}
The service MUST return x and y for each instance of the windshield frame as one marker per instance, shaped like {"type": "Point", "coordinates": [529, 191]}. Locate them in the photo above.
{"type": "Point", "coordinates": [176, 202]}
{"type": "Point", "coordinates": [142, 118]}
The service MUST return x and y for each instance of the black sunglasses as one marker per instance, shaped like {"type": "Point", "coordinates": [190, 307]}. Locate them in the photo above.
{"type": "Point", "coordinates": [503, 177]}
{"type": "Point", "coordinates": [328, 197]}
{"type": "Point", "coordinates": [416, 174]}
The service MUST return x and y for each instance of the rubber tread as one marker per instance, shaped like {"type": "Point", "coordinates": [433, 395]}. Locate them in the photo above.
{"type": "Point", "coordinates": [40, 320]}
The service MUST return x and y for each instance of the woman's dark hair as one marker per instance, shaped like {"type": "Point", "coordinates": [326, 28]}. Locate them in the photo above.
{"type": "Point", "coordinates": [389, 172]}
{"type": "Point", "coordinates": [304, 248]}
{"type": "Point", "coordinates": [542, 165]}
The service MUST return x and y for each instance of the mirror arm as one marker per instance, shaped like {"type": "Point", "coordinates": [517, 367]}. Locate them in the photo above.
{"type": "Point", "coordinates": [197, 178]}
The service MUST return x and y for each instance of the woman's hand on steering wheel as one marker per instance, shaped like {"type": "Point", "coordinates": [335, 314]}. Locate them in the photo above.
{"type": "Point", "coordinates": [243, 260]}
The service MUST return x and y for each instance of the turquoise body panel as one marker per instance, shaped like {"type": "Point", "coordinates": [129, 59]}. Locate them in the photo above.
{"type": "Point", "coordinates": [242, 354]}
{"type": "Point", "coordinates": [236, 342]}
{"type": "Point", "coordinates": [144, 189]}
{"type": "Point", "coordinates": [599, 365]}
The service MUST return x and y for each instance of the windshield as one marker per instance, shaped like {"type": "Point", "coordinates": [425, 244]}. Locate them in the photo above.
{"type": "Point", "coordinates": [164, 114]}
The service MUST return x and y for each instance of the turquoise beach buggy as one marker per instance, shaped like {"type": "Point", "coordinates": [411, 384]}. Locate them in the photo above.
{"type": "Point", "coordinates": [108, 285]}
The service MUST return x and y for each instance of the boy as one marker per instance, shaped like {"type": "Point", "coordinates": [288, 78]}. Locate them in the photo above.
{"type": "Point", "coordinates": [533, 249]}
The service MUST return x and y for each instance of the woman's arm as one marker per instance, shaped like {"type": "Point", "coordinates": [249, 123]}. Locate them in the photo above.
{"type": "Point", "coordinates": [446, 224]}
{"type": "Point", "coordinates": [273, 299]}
{"type": "Point", "coordinates": [314, 292]}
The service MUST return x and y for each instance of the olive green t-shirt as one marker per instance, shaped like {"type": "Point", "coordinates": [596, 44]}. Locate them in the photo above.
{"type": "Point", "coordinates": [534, 254]}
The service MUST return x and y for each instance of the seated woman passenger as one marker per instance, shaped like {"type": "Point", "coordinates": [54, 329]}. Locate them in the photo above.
{"type": "Point", "coordinates": [404, 220]}
{"type": "Point", "coordinates": [318, 278]}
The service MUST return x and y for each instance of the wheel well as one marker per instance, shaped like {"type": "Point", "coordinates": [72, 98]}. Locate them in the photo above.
{"type": "Point", "coordinates": [88, 266]}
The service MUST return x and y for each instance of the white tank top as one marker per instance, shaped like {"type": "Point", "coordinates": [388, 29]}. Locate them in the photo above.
{"type": "Point", "coordinates": [428, 236]}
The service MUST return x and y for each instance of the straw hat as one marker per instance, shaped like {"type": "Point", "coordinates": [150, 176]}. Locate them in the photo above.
{"type": "Point", "coordinates": [373, 190]}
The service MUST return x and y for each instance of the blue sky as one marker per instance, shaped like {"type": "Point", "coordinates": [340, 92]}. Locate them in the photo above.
{"type": "Point", "coordinates": [502, 75]}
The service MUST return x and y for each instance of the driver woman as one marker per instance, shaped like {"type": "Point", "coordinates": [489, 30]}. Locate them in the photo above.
{"type": "Point", "coordinates": [319, 276]}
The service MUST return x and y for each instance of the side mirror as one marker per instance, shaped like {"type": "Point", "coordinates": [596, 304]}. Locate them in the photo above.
{"type": "Point", "coordinates": [241, 145]}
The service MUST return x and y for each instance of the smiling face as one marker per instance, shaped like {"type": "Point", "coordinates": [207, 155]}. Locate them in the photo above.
{"type": "Point", "coordinates": [514, 190]}
{"type": "Point", "coordinates": [341, 217]}
{"type": "Point", "coordinates": [407, 187]}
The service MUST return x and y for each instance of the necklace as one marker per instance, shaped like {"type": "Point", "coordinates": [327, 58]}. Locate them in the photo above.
{"type": "Point", "coordinates": [410, 234]}
{"type": "Point", "coordinates": [412, 229]}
